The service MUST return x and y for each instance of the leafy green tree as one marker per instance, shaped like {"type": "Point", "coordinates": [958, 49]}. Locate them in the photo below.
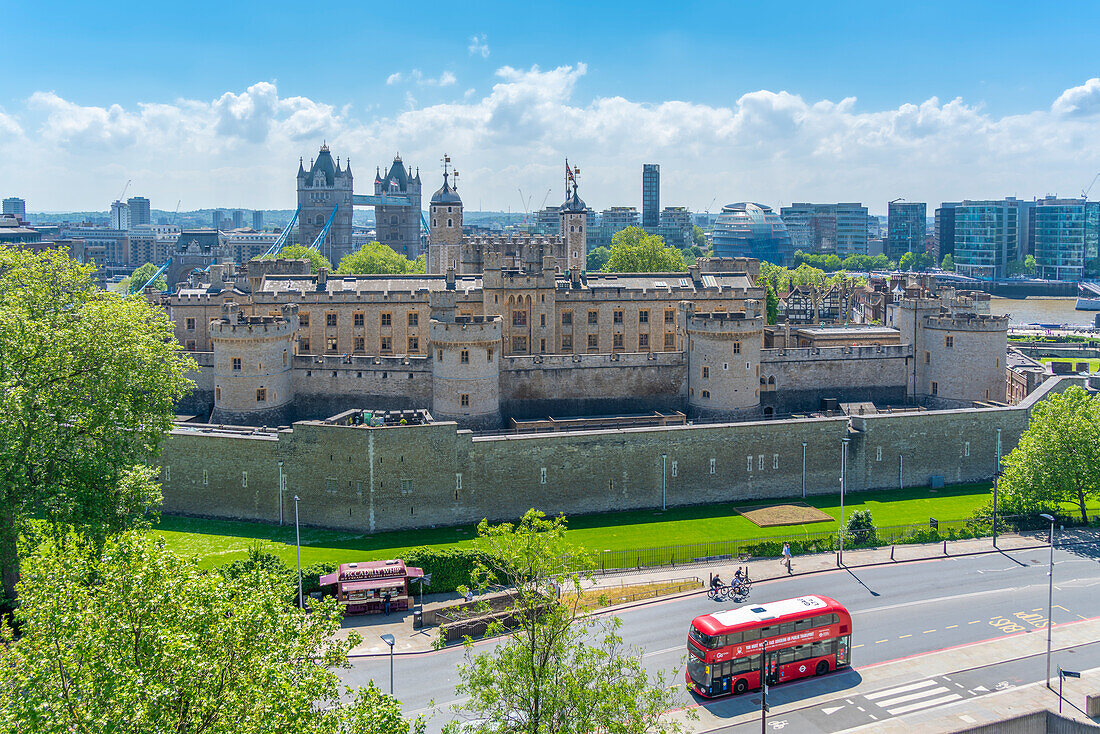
{"type": "Point", "coordinates": [1057, 460]}
{"type": "Point", "coordinates": [699, 237]}
{"type": "Point", "coordinates": [88, 386]}
{"type": "Point", "coordinates": [771, 304]}
{"type": "Point", "coordinates": [634, 251]}
{"type": "Point", "coordinates": [948, 262]}
{"type": "Point", "coordinates": [301, 252]}
{"type": "Point", "coordinates": [135, 639]}
{"type": "Point", "coordinates": [1029, 265]}
{"type": "Point", "coordinates": [141, 276]}
{"type": "Point", "coordinates": [559, 671]}
{"type": "Point", "coordinates": [907, 261]}
{"type": "Point", "coordinates": [374, 258]}
{"type": "Point", "coordinates": [597, 258]}
{"type": "Point", "coordinates": [881, 262]}
{"type": "Point", "coordinates": [861, 527]}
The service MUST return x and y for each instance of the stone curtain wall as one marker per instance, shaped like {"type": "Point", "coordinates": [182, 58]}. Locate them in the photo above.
{"type": "Point", "coordinates": [805, 375]}
{"type": "Point", "coordinates": [417, 476]}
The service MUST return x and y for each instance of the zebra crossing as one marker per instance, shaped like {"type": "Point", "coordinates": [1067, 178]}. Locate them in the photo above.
{"type": "Point", "coordinates": [921, 695]}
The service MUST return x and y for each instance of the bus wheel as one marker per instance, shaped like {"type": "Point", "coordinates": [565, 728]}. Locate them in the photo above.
{"type": "Point", "coordinates": [740, 686]}
{"type": "Point", "coordinates": [822, 667]}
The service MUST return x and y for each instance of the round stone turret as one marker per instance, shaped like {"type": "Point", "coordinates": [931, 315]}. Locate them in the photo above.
{"type": "Point", "coordinates": [252, 367]}
{"type": "Point", "coordinates": [466, 354]}
{"type": "Point", "coordinates": [723, 360]}
{"type": "Point", "coordinates": [445, 231]}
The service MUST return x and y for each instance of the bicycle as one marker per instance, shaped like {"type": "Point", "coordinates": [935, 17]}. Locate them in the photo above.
{"type": "Point", "coordinates": [718, 593]}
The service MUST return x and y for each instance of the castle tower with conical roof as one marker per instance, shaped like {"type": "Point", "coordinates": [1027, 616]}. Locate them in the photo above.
{"type": "Point", "coordinates": [324, 187]}
{"type": "Point", "coordinates": [445, 226]}
{"type": "Point", "coordinates": [398, 225]}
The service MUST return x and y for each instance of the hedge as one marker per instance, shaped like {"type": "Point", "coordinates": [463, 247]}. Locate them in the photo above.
{"type": "Point", "coordinates": [449, 567]}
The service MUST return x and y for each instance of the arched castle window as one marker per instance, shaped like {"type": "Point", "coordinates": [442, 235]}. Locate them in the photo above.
{"type": "Point", "coordinates": [450, 222]}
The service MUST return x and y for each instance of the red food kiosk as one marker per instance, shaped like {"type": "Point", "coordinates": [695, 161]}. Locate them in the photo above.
{"type": "Point", "coordinates": [362, 587]}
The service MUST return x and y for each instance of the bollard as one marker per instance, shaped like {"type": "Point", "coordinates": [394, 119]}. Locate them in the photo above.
{"type": "Point", "coordinates": [891, 553]}
{"type": "Point", "coordinates": [945, 547]}
{"type": "Point", "coordinates": [838, 559]}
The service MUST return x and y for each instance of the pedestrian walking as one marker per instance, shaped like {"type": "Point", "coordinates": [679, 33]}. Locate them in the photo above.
{"type": "Point", "coordinates": [787, 557]}
{"type": "Point", "coordinates": [387, 603]}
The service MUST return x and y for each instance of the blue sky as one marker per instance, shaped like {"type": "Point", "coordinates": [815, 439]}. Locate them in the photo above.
{"type": "Point", "coordinates": [213, 102]}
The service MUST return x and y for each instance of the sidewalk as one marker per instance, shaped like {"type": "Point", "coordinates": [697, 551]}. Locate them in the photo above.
{"type": "Point", "coordinates": [408, 640]}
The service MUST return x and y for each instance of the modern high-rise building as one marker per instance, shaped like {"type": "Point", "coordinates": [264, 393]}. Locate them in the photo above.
{"type": "Point", "coordinates": [258, 220]}
{"type": "Point", "coordinates": [615, 219]}
{"type": "Point", "coordinates": [546, 220]}
{"type": "Point", "coordinates": [216, 219]}
{"type": "Point", "coordinates": [140, 211]}
{"type": "Point", "coordinates": [676, 227]}
{"type": "Point", "coordinates": [120, 215]}
{"type": "Point", "coordinates": [905, 227]}
{"type": "Point", "coordinates": [15, 207]}
{"type": "Point", "coordinates": [752, 230]}
{"type": "Point", "coordinates": [651, 195]}
{"type": "Point", "coordinates": [1066, 232]}
{"type": "Point", "coordinates": [944, 232]}
{"type": "Point", "coordinates": [989, 234]}
{"type": "Point", "coordinates": [839, 229]}
{"type": "Point", "coordinates": [238, 219]}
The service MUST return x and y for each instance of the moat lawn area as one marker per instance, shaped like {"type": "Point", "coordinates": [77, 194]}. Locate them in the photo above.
{"type": "Point", "coordinates": [216, 542]}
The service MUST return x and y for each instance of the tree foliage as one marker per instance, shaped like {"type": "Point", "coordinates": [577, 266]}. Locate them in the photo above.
{"type": "Point", "coordinates": [374, 258]}
{"type": "Point", "coordinates": [784, 279]}
{"type": "Point", "coordinates": [559, 671]}
{"type": "Point", "coordinates": [597, 258]}
{"type": "Point", "coordinates": [635, 251]}
{"type": "Point", "coordinates": [771, 303]}
{"type": "Point", "coordinates": [138, 640]}
{"type": "Point", "coordinates": [88, 386]}
{"type": "Point", "coordinates": [301, 252]}
{"type": "Point", "coordinates": [915, 261]}
{"type": "Point", "coordinates": [699, 237]}
{"type": "Point", "coordinates": [141, 276]}
{"type": "Point", "coordinates": [948, 262]}
{"type": "Point", "coordinates": [1058, 458]}
{"type": "Point", "coordinates": [1027, 267]}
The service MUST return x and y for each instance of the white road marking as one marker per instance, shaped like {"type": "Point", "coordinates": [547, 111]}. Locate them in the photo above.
{"type": "Point", "coordinates": [912, 697]}
{"type": "Point", "coordinates": [831, 709]}
{"type": "Point", "coordinates": [924, 704]}
{"type": "Point", "coordinates": [900, 689]}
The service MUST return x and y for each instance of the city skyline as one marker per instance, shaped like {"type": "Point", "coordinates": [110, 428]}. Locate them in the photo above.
{"type": "Point", "coordinates": [773, 116]}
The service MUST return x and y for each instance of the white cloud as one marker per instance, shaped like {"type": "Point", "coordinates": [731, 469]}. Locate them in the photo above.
{"type": "Point", "coordinates": [479, 45]}
{"type": "Point", "coordinates": [1082, 100]}
{"type": "Point", "coordinates": [394, 78]}
{"type": "Point", "coordinates": [241, 148]}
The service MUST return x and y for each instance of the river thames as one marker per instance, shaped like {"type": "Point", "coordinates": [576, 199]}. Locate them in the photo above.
{"type": "Point", "coordinates": [1041, 310]}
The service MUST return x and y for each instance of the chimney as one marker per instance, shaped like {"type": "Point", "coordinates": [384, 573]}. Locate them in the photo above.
{"type": "Point", "coordinates": [695, 273]}
{"type": "Point", "coordinates": [450, 277]}
{"type": "Point", "coordinates": [322, 279]}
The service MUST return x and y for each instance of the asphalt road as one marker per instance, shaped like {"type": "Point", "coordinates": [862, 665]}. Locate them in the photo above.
{"type": "Point", "coordinates": [898, 611]}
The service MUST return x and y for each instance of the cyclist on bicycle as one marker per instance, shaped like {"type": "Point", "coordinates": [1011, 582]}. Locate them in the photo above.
{"type": "Point", "coordinates": [716, 582]}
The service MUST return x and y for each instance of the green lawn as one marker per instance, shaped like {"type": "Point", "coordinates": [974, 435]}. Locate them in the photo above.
{"type": "Point", "coordinates": [220, 541]}
{"type": "Point", "coordinates": [1094, 364]}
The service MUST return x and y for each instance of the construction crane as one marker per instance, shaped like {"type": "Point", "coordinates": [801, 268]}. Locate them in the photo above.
{"type": "Point", "coordinates": [526, 207]}
{"type": "Point", "coordinates": [176, 216]}
{"type": "Point", "coordinates": [1085, 193]}
{"type": "Point", "coordinates": [543, 204]}
{"type": "Point", "coordinates": [124, 190]}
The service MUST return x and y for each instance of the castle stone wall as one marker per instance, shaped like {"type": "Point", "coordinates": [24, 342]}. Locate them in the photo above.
{"type": "Point", "coordinates": [803, 376]}
{"type": "Point", "coordinates": [368, 480]}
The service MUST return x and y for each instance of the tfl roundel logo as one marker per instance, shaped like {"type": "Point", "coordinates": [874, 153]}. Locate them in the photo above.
{"type": "Point", "coordinates": [801, 668]}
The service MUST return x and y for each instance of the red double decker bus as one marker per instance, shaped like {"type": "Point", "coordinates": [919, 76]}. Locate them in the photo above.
{"type": "Point", "coordinates": [808, 635]}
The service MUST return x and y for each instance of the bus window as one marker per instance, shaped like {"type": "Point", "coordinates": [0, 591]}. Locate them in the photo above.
{"type": "Point", "coordinates": [769, 631]}
{"type": "Point", "coordinates": [804, 624]}
{"type": "Point", "coordinates": [731, 639]}
{"type": "Point", "coordinates": [750, 635]}
{"type": "Point", "coordinates": [842, 648]}
{"type": "Point", "coordinates": [786, 628]}
{"type": "Point", "coordinates": [823, 620]}
{"type": "Point", "coordinates": [823, 648]}
{"type": "Point", "coordinates": [786, 656]}
{"type": "Point", "coordinates": [747, 664]}
{"type": "Point", "coordinates": [803, 652]}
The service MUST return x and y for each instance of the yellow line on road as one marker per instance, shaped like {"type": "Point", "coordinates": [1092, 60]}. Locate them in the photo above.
{"type": "Point", "coordinates": [928, 632]}
{"type": "Point", "coordinates": [904, 636]}
{"type": "Point", "coordinates": [855, 646]}
{"type": "Point", "coordinates": [951, 626]}
{"type": "Point", "coordinates": [976, 621]}
{"type": "Point", "coordinates": [879, 642]}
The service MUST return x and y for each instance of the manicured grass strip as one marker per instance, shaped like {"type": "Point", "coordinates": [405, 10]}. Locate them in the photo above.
{"type": "Point", "coordinates": [1094, 364]}
{"type": "Point", "coordinates": [216, 542]}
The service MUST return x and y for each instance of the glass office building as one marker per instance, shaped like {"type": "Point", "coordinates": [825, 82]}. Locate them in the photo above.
{"type": "Point", "coordinates": [752, 230]}
{"type": "Point", "coordinates": [905, 226]}
{"type": "Point", "coordinates": [990, 234]}
{"type": "Point", "coordinates": [651, 195]}
{"type": "Point", "coordinates": [1066, 232]}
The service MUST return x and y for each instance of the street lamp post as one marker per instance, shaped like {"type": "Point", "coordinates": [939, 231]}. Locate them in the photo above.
{"type": "Point", "coordinates": [803, 470]}
{"type": "Point", "coordinates": [843, 489]}
{"type": "Point", "coordinates": [1050, 593]}
{"type": "Point", "coordinates": [298, 543]}
{"type": "Point", "coordinates": [996, 480]}
{"type": "Point", "coordinates": [389, 640]}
